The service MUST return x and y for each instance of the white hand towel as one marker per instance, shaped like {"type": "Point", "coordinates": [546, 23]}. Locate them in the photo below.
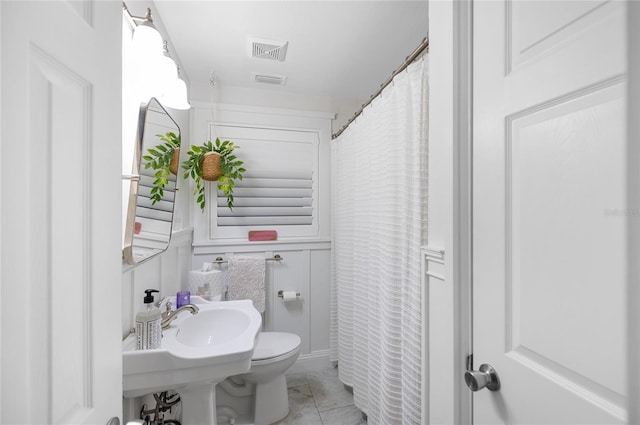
{"type": "Point", "coordinates": [246, 280]}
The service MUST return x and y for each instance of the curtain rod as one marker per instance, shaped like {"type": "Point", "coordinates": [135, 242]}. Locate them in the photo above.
{"type": "Point", "coordinates": [424, 46]}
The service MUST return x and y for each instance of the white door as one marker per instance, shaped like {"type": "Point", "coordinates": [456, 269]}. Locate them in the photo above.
{"type": "Point", "coordinates": [60, 197]}
{"type": "Point", "coordinates": [549, 211]}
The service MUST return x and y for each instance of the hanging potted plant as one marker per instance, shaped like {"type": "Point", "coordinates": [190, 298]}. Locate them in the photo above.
{"type": "Point", "coordinates": [213, 162]}
{"type": "Point", "coordinates": [163, 158]}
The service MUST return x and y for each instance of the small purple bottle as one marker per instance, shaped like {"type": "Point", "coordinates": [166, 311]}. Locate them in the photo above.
{"type": "Point", "coordinates": [183, 298]}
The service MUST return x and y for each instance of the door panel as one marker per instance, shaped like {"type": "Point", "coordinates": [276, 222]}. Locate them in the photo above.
{"type": "Point", "coordinates": [565, 175]}
{"type": "Point", "coordinates": [549, 195]}
{"type": "Point", "coordinates": [59, 103]}
{"type": "Point", "coordinates": [534, 28]}
{"type": "Point", "coordinates": [61, 266]}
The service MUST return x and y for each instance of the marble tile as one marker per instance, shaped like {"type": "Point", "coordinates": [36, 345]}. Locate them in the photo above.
{"type": "Point", "coordinates": [328, 391]}
{"type": "Point", "coordinates": [296, 380]}
{"type": "Point", "coordinates": [349, 415]}
{"type": "Point", "coordinates": [302, 408]}
{"type": "Point", "coordinates": [319, 398]}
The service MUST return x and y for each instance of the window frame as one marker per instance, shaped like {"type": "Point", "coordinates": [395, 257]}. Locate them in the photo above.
{"type": "Point", "coordinates": [222, 130]}
{"type": "Point", "coordinates": [203, 117]}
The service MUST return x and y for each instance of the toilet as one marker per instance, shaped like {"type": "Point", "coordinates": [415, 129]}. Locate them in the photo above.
{"type": "Point", "coordinates": [260, 396]}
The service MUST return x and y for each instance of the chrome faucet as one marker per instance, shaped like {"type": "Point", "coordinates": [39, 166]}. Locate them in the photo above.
{"type": "Point", "coordinates": [169, 315]}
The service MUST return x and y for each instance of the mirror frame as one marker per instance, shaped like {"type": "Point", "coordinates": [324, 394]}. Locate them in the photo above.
{"type": "Point", "coordinates": [128, 249]}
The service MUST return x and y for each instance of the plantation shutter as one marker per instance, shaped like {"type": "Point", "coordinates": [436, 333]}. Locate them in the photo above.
{"type": "Point", "coordinates": [269, 198]}
{"type": "Point", "coordinates": [279, 190]}
{"type": "Point", "coordinates": [155, 218]}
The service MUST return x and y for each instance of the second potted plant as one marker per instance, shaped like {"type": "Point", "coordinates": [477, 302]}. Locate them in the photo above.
{"type": "Point", "coordinates": [164, 158]}
{"type": "Point", "coordinates": [213, 162]}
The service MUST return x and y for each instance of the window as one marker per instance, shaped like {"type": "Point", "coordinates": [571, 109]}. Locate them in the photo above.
{"type": "Point", "coordinates": [279, 190]}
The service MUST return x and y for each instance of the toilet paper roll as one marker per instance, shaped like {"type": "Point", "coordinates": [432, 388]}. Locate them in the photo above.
{"type": "Point", "coordinates": [207, 284]}
{"type": "Point", "coordinates": [289, 295]}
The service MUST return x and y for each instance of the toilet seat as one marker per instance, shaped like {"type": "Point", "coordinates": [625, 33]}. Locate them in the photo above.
{"type": "Point", "coordinates": [273, 346]}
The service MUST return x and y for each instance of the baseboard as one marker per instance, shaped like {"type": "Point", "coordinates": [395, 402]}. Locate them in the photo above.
{"type": "Point", "coordinates": [318, 360]}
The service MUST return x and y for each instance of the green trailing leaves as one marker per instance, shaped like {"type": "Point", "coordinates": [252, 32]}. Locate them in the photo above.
{"type": "Point", "coordinates": [230, 167]}
{"type": "Point", "coordinates": [159, 159]}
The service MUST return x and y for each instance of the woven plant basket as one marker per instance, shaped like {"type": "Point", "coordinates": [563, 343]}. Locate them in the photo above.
{"type": "Point", "coordinates": [175, 160]}
{"type": "Point", "coordinates": [211, 166]}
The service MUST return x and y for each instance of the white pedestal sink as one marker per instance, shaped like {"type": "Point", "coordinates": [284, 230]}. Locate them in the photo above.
{"type": "Point", "coordinates": [197, 352]}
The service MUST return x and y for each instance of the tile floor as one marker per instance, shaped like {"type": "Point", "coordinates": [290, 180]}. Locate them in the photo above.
{"type": "Point", "coordinates": [319, 398]}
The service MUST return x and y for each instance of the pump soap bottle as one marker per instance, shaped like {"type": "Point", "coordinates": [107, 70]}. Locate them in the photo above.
{"type": "Point", "coordinates": [148, 328]}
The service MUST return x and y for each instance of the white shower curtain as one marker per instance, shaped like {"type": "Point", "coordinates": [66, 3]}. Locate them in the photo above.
{"type": "Point", "coordinates": [379, 197]}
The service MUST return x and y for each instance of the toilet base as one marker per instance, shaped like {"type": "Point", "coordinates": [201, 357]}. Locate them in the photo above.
{"type": "Point", "coordinates": [262, 392]}
{"type": "Point", "coordinates": [272, 401]}
{"type": "Point", "coordinates": [254, 404]}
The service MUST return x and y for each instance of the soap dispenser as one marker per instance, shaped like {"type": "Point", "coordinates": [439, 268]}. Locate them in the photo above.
{"type": "Point", "coordinates": [148, 326]}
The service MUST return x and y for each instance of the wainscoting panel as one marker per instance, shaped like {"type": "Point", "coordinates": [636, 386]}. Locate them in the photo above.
{"type": "Point", "coordinates": [438, 358]}
{"type": "Point", "coordinates": [305, 268]}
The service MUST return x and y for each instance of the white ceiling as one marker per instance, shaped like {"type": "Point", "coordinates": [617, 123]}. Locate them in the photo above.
{"type": "Point", "coordinates": [336, 48]}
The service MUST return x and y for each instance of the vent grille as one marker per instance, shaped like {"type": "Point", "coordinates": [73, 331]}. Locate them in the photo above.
{"type": "Point", "coordinates": [268, 49]}
{"type": "Point", "coordinates": [270, 79]}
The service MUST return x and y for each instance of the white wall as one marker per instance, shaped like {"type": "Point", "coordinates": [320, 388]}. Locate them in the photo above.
{"type": "Point", "coordinates": [344, 108]}
{"type": "Point", "coordinates": [441, 331]}
{"type": "Point", "coordinates": [306, 265]}
{"type": "Point", "coordinates": [449, 311]}
{"type": "Point", "coordinates": [440, 294]}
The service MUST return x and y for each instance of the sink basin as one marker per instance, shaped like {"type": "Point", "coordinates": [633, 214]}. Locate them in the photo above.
{"type": "Point", "coordinates": [199, 349]}
{"type": "Point", "coordinates": [204, 330]}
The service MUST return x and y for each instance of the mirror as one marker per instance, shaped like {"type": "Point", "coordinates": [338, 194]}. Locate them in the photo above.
{"type": "Point", "coordinates": [149, 221]}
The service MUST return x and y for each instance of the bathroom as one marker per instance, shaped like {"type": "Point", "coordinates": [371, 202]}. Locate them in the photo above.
{"type": "Point", "coordinates": [60, 64]}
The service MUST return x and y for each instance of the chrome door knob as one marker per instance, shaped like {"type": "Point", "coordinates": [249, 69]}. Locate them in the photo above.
{"type": "Point", "coordinates": [485, 377]}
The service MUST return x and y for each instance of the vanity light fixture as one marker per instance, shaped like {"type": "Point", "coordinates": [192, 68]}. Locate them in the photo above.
{"type": "Point", "coordinates": [159, 72]}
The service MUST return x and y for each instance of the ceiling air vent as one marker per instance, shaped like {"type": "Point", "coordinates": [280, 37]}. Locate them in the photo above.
{"type": "Point", "coordinates": [268, 49]}
{"type": "Point", "coordinates": [270, 79]}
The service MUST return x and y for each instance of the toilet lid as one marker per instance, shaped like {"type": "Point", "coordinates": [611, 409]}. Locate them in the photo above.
{"type": "Point", "coordinates": [274, 344]}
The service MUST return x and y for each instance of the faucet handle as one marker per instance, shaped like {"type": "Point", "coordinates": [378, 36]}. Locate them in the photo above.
{"type": "Point", "coordinates": [167, 310]}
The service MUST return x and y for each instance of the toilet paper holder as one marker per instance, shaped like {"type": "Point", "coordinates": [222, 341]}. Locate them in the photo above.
{"type": "Point", "coordinates": [281, 294]}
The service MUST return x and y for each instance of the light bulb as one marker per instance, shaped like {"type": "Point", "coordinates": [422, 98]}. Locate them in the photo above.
{"type": "Point", "coordinates": [176, 97]}
{"type": "Point", "coordinates": [167, 73]}
{"type": "Point", "coordinates": [147, 43]}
